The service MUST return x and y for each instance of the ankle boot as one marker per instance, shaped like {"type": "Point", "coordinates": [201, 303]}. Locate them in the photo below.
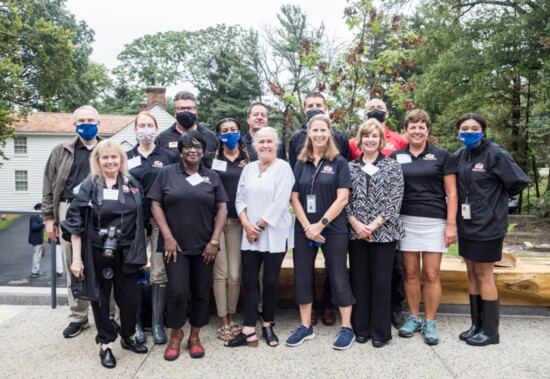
{"type": "Point", "coordinates": [475, 305]}
{"type": "Point", "coordinates": [140, 334]}
{"type": "Point", "coordinates": [490, 315]}
{"type": "Point", "coordinates": [159, 302]}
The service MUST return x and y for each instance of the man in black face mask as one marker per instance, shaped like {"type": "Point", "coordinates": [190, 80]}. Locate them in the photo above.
{"type": "Point", "coordinates": [185, 105]}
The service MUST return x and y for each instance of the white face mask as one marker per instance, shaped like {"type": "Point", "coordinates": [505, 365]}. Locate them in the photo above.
{"type": "Point", "coordinates": [146, 135]}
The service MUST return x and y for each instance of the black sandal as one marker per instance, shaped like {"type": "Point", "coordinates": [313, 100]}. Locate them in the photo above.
{"type": "Point", "coordinates": [270, 336]}
{"type": "Point", "coordinates": [241, 339]}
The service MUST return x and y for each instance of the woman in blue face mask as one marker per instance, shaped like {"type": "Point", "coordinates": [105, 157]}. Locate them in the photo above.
{"type": "Point", "coordinates": [229, 161]}
{"type": "Point", "coordinates": [487, 177]}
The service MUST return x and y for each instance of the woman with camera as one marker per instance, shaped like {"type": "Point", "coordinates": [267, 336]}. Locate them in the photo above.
{"type": "Point", "coordinates": [106, 223]}
{"type": "Point", "coordinates": [188, 202]}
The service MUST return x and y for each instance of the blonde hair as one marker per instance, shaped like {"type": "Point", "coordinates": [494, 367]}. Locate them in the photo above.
{"type": "Point", "coordinates": [95, 167]}
{"type": "Point", "coordinates": [331, 151]}
{"type": "Point", "coordinates": [367, 128]}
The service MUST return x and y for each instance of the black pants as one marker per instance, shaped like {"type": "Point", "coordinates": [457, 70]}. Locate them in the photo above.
{"type": "Point", "coordinates": [188, 273]}
{"type": "Point", "coordinates": [371, 266]}
{"type": "Point", "coordinates": [397, 293]}
{"type": "Point", "coordinates": [126, 296]}
{"type": "Point", "coordinates": [251, 262]}
{"type": "Point", "coordinates": [335, 250]}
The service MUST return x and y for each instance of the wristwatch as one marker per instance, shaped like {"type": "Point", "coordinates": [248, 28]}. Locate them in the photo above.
{"type": "Point", "coordinates": [215, 242]}
{"type": "Point", "coordinates": [325, 221]}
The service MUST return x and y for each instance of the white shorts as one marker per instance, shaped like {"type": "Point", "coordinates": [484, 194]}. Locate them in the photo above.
{"type": "Point", "coordinates": [423, 234]}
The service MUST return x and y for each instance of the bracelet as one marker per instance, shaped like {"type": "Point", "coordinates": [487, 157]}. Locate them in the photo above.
{"type": "Point", "coordinates": [215, 242]}
{"type": "Point", "coordinates": [380, 223]}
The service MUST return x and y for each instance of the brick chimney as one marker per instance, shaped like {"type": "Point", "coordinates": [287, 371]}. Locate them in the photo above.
{"type": "Point", "coordinates": [156, 95]}
{"type": "Point", "coordinates": [142, 106]}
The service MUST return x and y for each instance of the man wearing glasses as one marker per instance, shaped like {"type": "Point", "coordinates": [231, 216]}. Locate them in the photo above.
{"type": "Point", "coordinates": [185, 105]}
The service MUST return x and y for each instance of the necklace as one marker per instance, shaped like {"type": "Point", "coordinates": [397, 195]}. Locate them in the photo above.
{"type": "Point", "coordinates": [265, 168]}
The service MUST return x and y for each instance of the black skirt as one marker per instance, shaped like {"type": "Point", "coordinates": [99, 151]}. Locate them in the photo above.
{"type": "Point", "coordinates": [481, 251]}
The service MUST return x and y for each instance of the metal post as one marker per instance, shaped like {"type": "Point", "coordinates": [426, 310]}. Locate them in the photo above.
{"type": "Point", "coordinates": [54, 273]}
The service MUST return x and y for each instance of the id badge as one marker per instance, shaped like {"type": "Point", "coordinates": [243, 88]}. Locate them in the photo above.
{"type": "Point", "coordinates": [466, 212]}
{"type": "Point", "coordinates": [311, 204]}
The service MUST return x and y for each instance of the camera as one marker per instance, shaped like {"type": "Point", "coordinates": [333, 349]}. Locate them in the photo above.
{"type": "Point", "coordinates": [111, 236]}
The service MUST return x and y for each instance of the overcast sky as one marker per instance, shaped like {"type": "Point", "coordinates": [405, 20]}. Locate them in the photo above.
{"type": "Point", "coordinates": [118, 22]}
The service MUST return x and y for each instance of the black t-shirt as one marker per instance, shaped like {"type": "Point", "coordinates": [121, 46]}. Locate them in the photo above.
{"type": "Point", "coordinates": [230, 179]}
{"type": "Point", "coordinates": [189, 210]}
{"type": "Point", "coordinates": [115, 213]}
{"type": "Point", "coordinates": [424, 194]}
{"type": "Point", "coordinates": [79, 170]}
{"type": "Point", "coordinates": [331, 175]}
{"type": "Point", "coordinates": [148, 168]}
{"type": "Point", "coordinates": [169, 139]}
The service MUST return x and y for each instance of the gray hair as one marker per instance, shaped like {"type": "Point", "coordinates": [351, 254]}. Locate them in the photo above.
{"type": "Point", "coordinates": [185, 95]}
{"type": "Point", "coordinates": [262, 131]}
{"type": "Point", "coordinates": [86, 108]}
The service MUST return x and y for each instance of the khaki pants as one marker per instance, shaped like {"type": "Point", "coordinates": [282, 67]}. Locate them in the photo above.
{"type": "Point", "coordinates": [158, 270]}
{"type": "Point", "coordinates": [227, 269]}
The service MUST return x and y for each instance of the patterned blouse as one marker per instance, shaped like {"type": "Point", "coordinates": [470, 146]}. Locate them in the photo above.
{"type": "Point", "coordinates": [379, 195]}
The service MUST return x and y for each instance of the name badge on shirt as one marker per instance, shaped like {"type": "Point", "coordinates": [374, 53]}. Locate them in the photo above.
{"type": "Point", "coordinates": [370, 169]}
{"type": "Point", "coordinates": [110, 194]}
{"type": "Point", "coordinates": [466, 212]}
{"type": "Point", "coordinates": [311, 204]}
{"type": "Point", "coordinates": [219, 165]}
{"type": "Point", "coordinates": [134, 162]}
{"type": "Point", "coordinates": [403, 158]}
{"type": "Point", "coordinates": [173, 145]}
{"type": "Point", "coordinates": [195, 179]}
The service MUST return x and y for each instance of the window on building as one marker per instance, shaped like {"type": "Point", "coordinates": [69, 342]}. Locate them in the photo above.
{"type": "Point", "coordinates": [21, 181]}
{"type": "Point", "coordinates": [20, 145]}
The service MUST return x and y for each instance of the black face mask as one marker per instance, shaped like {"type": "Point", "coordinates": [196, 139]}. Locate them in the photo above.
{"type": "Point", "coordinates": [186, 119]}
{"type": "Point", "coordinates": [313, 112]}
{"type": "Point", "coordinates": [377, 114]}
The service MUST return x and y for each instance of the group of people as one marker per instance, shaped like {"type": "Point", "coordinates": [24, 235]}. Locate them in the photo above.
{"type": "Point", "coordinates": [208, 204]}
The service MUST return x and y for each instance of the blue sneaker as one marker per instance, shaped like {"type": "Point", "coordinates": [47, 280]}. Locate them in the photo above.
{"type": "Point", "coordinates": [344, 339]}
{"type": "Point", "coordinates": [299, 335]}
{"type": "Point", "coordinates": [411, 326]}
{"type": "Point", "coordinates": [429, 330]}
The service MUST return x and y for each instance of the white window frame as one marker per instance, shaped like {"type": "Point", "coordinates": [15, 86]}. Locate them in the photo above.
{"type": "Point", "coordinates": [20, 181]}
{"type": "Point", "coordinates": [20, 145]}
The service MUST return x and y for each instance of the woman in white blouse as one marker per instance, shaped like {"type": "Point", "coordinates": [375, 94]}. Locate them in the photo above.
{"type": "Point", "coordinates": [262, 204]}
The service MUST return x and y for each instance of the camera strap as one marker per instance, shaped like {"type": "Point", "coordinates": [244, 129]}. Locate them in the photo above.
{"type": "Point", "coordinates": [100, 186]}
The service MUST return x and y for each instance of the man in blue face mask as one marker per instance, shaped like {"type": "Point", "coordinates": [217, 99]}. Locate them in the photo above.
{"type": "Point", "coordinates": [67, 166]}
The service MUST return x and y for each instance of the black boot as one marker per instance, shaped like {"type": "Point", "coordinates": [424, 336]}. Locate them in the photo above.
{"type": "Point", "coordinates": [490, 315]}
{"type": "Point", "coordinates": [140, 334]}
{"type": "Point", "coordinates": [475, 305]}
{"type": "Point", "coordinates": [159, 302]}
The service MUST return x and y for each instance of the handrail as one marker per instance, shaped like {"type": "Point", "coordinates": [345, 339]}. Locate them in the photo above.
{"type": "Point", "coordinates": [53, 259]}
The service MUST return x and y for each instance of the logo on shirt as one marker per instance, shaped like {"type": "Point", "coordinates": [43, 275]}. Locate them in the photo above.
{"type": "Point", "coordinates": [242, 163]}
{"type": "Point", "coordinates": [125, 188]}
{"type": "Point", "coordinates": [328, 170]}
{"type": "Point", "coordinates": [430, 157]}
{"type": "Point", "coordinates": [390, 146]}
{"type": "Point", "coordinates": [479, 167]}
{"type": "Point", "coordinates": [134, 190]}
{"type": "Point", "coordinates": [206, 179]}
{"type": "Point", "coordinates": [157, 164]}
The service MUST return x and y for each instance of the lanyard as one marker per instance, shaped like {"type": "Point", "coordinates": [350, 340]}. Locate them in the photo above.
{"type": "Point", "coordinates": [314, 176]}
{"type": "Point", "coordinates": [467, 172]}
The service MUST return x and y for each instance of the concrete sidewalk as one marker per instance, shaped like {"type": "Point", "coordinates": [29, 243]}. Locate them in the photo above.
{"type": "Point", "coordinates": [33, 347]}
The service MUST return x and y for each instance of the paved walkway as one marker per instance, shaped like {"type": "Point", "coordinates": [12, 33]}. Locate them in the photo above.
{"type": "Point", "coordinates": [33, 347]}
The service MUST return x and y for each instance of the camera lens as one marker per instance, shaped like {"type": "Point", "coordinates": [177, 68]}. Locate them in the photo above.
{"type": "Point", "coordinates": [108, 273]}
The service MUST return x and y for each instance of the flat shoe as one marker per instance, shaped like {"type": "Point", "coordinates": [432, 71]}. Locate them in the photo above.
{"type": "Point", "coordinates": [270, 336]}
{"type": "Point", "coordinates": [107, 358]}
{"type": "Point", "coordinates": [130, 344]}
{"type": "Point", "coordinates": [171, 354]}
{"type": "Point", "coordinates": [242, 339]}
{"type": "Point", "coordinates": [195, 348]}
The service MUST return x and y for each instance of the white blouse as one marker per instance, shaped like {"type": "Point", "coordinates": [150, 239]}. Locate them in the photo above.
{"type": "Point", "coordinates": [267, 196]}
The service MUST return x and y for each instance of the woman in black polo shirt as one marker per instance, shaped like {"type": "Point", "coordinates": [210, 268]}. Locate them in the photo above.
{"type": "Point", "coordinates": [189, 206]}
{"type": "Point", "coordinates": [487, 177]}
{"type": "Point", "coordinates": [229, 161]}
{"type": "Point", "coordinates": [320, 193]}
{"type": "Point", "coordinates": [428, 214]}
{"type": "Point", "coordinates": [144, 163]}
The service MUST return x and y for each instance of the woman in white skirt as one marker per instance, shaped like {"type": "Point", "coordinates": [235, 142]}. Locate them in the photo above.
{"type": "Point", "coordinates": [428, 213]}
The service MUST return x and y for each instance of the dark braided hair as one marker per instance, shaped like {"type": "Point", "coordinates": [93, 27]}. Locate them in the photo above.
{"type": "Point", "coordinates": [240, 142]}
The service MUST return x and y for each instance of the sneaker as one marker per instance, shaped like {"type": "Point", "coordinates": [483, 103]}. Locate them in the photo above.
{"type": "Point", "coordinates": [429, 330]}
{"type": "Point", "coordinates": [75, 328]}
{"type": "Point", "coordinates": [344, 339]}
{"type": "Point", "coordinates": [299, 335]}
{"type": "Point", "coordinates": [37, 274]}
{"type": "Point", "coordinates": [411, 326]}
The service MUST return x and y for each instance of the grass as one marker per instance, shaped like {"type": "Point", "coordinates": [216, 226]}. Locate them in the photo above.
{"type": "Point", "coordinates": [8, 221]}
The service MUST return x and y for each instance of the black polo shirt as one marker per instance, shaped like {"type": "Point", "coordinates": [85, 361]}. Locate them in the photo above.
{"type": "Point", "coordinates": [169, 139]}
{"type": "Point", "coordinates": [298, 141]}
{"type": "Point", "coordinates": [79, 170]}
{"type": "Point", "coordinates": [248, 141]}
{"type": "Point", "coordinates": [230, 179]}
{"type": "Point", "coordinates": [147, 169]}
{"type": "Point", "coordinates": [424, 194]}
{"type": "Point", "coordinates": [331, 175]}
{"type": "Point", "coordinates": [189, 210]}
{"type": "Point", "coordinates": [115, 213]}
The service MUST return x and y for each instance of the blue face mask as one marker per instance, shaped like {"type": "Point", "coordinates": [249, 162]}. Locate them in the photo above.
{"type": "Point", "coordinates": [470, 139]}
{"type": "Point", "coordinates": [87, 131]}
{"type": "Point", "coordinates": [230, 139]}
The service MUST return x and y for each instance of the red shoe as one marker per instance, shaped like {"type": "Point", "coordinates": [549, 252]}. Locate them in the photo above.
{"type": "Point", "coordinates": [172, 351]}
{"type": "Point", "coordinates": [195, 348]}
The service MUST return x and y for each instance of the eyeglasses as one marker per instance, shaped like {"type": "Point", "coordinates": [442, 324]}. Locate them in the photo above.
{"type": "Point", "coordinates": [185, 109]}
{"type": "Point", "coordinates": [196, 146]}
